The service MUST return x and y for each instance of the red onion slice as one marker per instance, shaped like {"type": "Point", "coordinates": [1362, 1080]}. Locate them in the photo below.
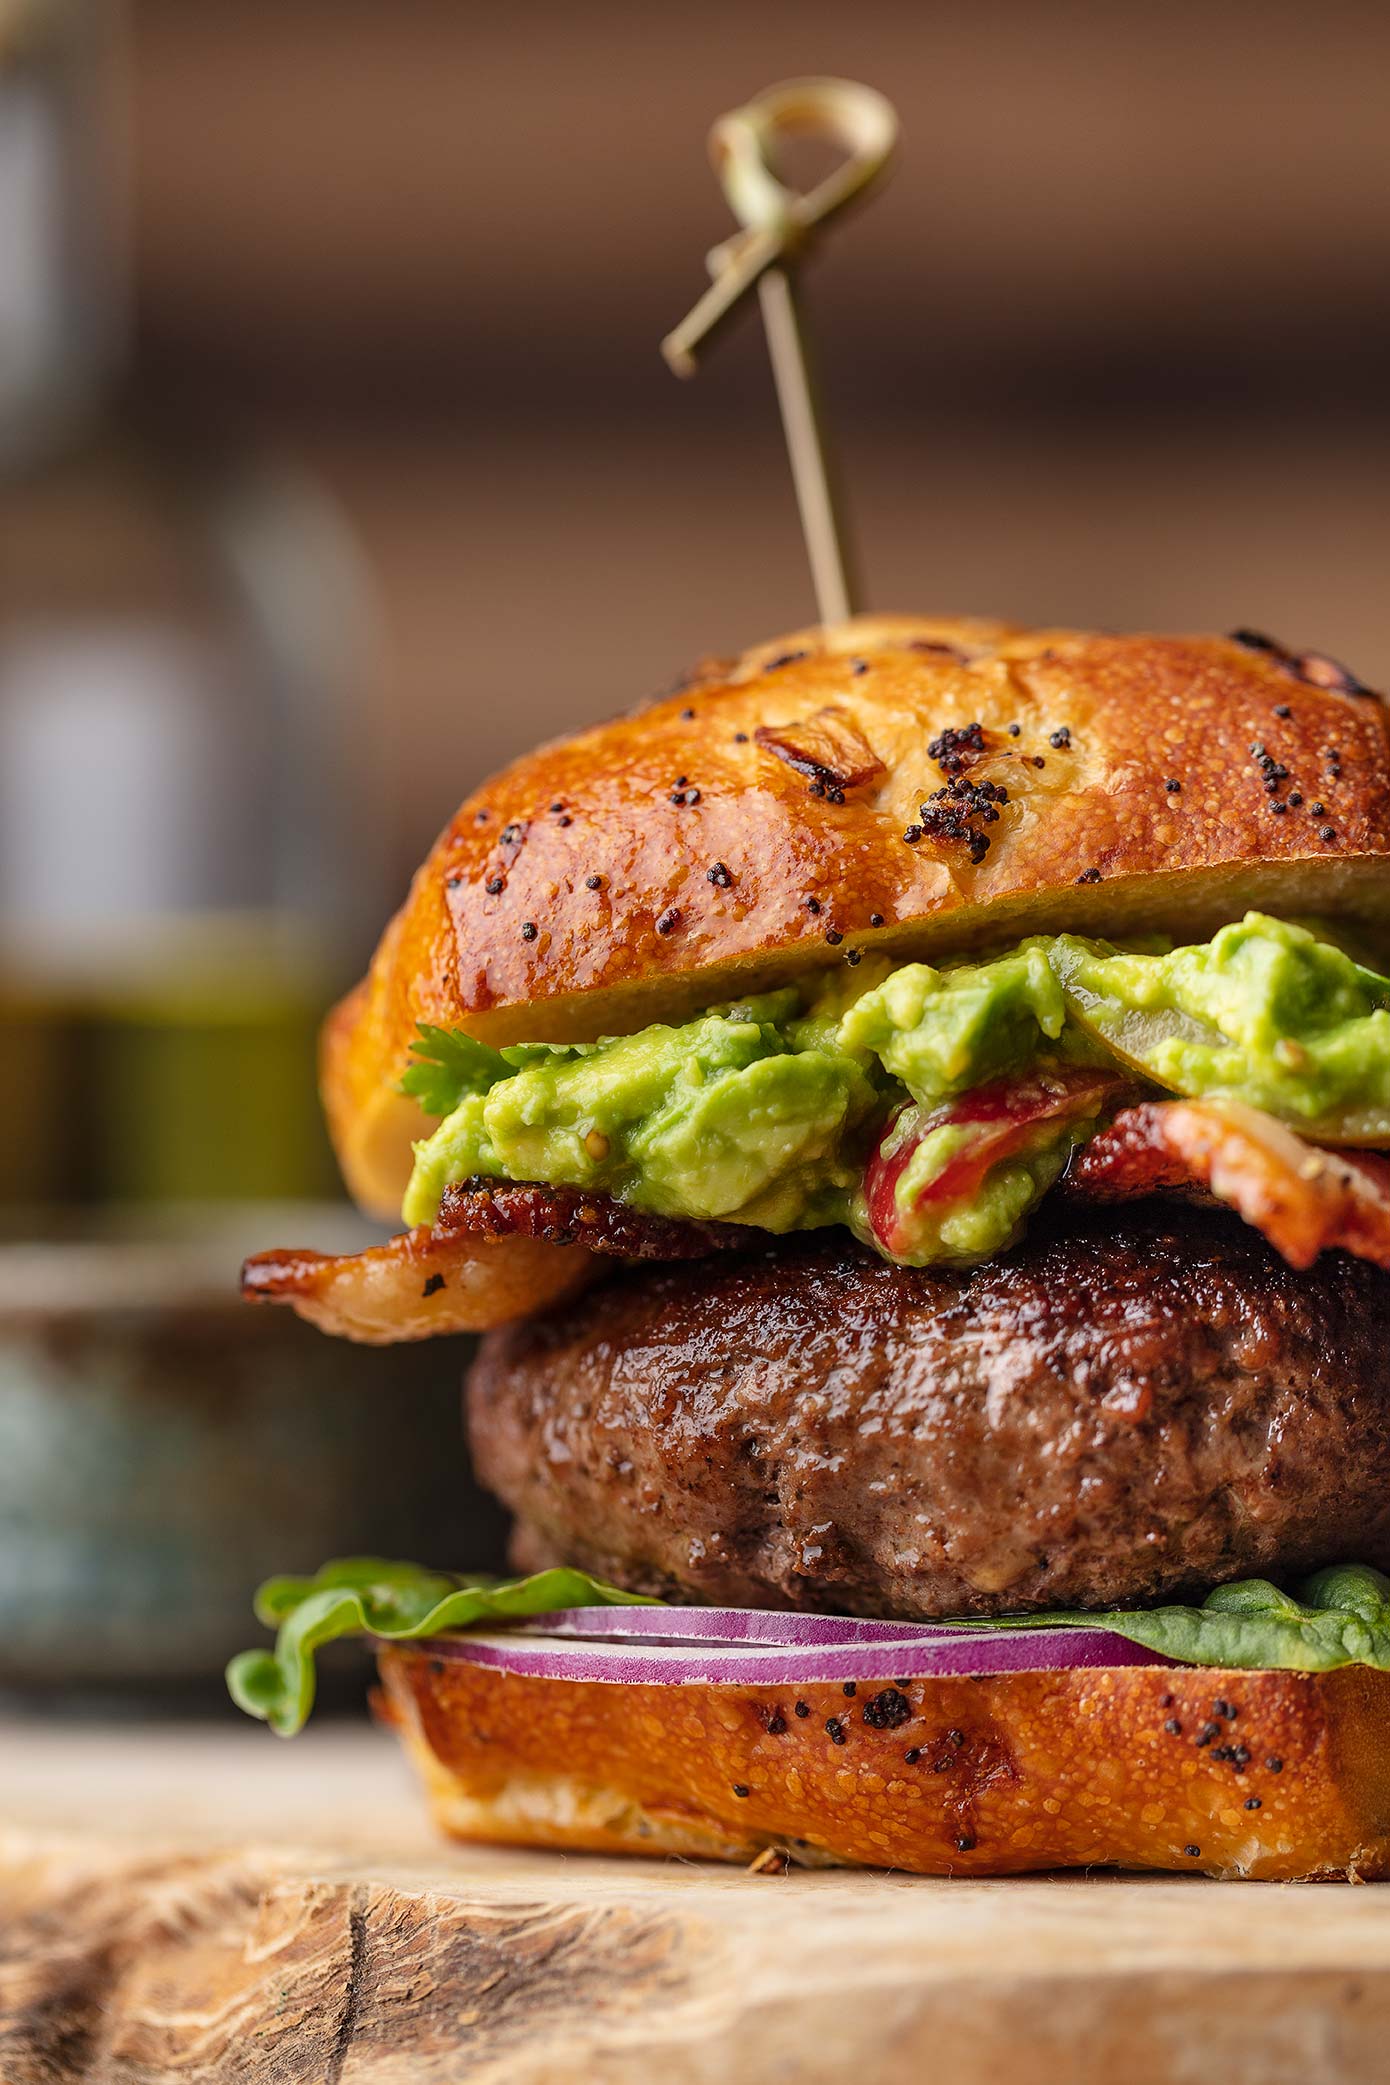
{"type": "Point", "coordinates": [728, 1625]}
{"type": "Point", "coordinates": [902, 1652]}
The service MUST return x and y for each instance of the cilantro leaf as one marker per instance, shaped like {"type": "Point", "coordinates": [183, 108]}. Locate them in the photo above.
{"type": "Point", "coordinates": [448, 1066]}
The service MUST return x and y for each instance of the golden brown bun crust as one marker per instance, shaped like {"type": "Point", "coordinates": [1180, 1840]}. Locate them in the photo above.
{"type": "Point", "coordinates": [695, 849]}
{"type": "Point", "coordinates": [994, 1776]}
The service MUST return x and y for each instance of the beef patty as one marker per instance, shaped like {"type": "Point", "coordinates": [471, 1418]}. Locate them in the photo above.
{"type": "Point", "coordinates": [1129, 1406]}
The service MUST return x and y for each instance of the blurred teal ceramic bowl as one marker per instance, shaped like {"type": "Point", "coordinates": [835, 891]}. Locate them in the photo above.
{"type": "Point", "coordinates": [165, 1446]}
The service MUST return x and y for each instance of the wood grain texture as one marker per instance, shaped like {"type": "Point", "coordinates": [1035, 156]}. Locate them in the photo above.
{"type": "Point", "coordinates": [164, 1946]}
{"type": "Point", "coordinates": [232, 1968]}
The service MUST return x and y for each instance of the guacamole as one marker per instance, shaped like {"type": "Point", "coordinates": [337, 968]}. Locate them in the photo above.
{"type": "Point", "coordinates": [724, 1116]}
{"type": "Point", "coordinates": [854, 1097]}
{"type": "Point", "coordinates": [1264, 1012]}
{"type": "Point", "coordinates": [942, 1031]}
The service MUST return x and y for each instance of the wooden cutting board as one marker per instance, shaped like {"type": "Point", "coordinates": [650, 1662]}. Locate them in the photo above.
{"type": "Point", "coordinates": [206, 1904]}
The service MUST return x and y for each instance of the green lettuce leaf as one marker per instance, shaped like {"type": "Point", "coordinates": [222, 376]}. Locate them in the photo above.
{"type": "Point", "coordinates": [370, 1596]}
{"type": "Point", "coordinates": [1343, 1618]}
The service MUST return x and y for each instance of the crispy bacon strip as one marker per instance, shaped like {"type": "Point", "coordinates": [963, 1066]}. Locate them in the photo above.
{"type": "Point", "coordinates": [482, 1208]}
{"type": "Point", "coordinates": [418, 1285]}
{"type": "Point", "coordinates": [1303, 1198]}
{"type": "Point", "coordinates": [497, 1251]}
{"type": "Point", "coordinates": [501, 1250]}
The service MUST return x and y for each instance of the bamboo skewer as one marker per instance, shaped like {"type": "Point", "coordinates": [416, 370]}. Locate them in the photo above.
{"type": "Point", "coordinates": [780, 224]}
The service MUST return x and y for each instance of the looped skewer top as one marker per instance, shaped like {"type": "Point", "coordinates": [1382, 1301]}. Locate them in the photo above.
{"type": "Point", "coordinates": [779, 224]}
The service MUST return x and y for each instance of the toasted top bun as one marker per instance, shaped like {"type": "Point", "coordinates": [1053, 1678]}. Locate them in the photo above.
{"type": "Point", "coordinates": [768, 817]}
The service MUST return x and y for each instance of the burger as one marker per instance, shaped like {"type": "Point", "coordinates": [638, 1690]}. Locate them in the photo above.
{"type": "Point", "coordinates": [905, 1112]}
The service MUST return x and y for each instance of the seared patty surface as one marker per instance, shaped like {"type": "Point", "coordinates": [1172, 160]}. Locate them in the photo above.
{"type": "Point", "coordinates": [1132, 1405]}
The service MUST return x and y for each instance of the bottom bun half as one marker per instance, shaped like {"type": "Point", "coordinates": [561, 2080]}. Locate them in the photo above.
{"type": "Point", "coordinates": [1276, 1776]}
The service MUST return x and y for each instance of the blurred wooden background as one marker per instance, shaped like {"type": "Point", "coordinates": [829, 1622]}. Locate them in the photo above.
{"type": "Point", "coordinates": [1112, 348]}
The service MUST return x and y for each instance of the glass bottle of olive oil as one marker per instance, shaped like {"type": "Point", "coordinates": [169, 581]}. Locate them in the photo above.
{"type": "Point", "coordinates": [187, 870]}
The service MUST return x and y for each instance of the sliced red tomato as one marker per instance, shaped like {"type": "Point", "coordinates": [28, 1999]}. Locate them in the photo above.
{"type": "Point", "coordinates": [1003, 1118]}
